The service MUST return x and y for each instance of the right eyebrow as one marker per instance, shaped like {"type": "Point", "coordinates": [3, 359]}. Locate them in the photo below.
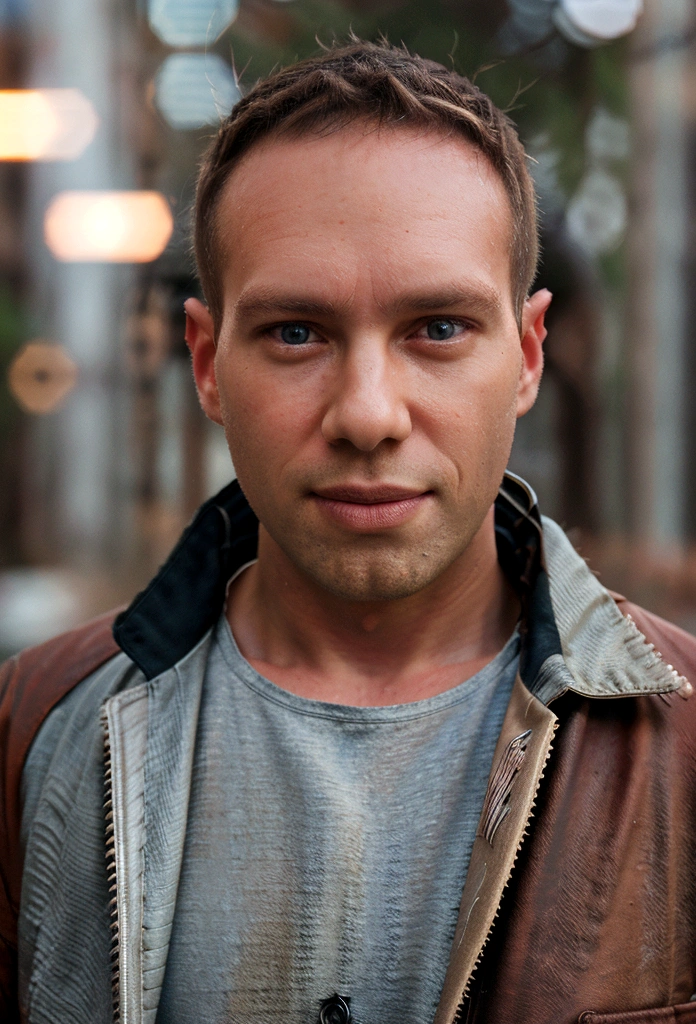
{"type": "Point", "coordinates": [279, 304]}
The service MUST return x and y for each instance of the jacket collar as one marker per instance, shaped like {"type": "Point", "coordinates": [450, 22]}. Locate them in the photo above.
{"type": "Point", "coordinates": [604, 653]}
{"type": "Point", "coordinates": [185, 598]}
{"type": "Point", "coordinates": [573, 635]}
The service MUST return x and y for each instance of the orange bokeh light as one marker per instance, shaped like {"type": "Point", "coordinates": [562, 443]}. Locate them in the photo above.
{"type": "Point", "coordinates": [41, 376]}
{"type": "Point", "coordinates": [45, 124]}
{"type": "Point", "coordinates": [108, 227]}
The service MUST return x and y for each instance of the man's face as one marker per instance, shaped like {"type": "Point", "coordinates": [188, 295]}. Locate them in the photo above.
{"type": "Point", "coordinates": [368, 369]}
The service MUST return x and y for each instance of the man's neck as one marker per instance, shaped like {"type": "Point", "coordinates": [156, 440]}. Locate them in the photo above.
{"type": "Point", "coordinates": [320, 646]}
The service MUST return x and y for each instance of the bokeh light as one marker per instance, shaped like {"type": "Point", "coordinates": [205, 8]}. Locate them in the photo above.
{"type": "Point", "coordinates": [108, 227]}
{"type": "Point", "coordinates": [596, 217]}
{"type": "Point", "coordinates": [195, 89]}
{"type": "Point", "coordinates": [191, 22]}
{"type": "Point", "coordinates": [591, 22]}
{"type": "Point", "coordinates": [45, 124]}
{"type": "Point", "coordinates": [41, 376]}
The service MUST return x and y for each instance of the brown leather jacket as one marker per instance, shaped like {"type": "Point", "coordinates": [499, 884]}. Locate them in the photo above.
{"type": "Point", "coordinates": [600, 914]}
{"type": "Point", "coordinates": [580, 901]}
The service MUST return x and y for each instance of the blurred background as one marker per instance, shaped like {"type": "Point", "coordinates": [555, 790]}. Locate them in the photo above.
{"type": "Point", "coordinates": [105, 109]}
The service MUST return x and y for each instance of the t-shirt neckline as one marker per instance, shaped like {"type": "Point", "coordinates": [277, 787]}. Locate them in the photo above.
{"type": "Point", "coordinates": [268, 690]}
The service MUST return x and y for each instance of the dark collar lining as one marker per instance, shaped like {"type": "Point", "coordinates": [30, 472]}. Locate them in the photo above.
{"type": "Point", "coordinates": [185, 598]}
{"type": "Point", "coordinates": [176, 609]}
{"type": "Point", "coordinates": [519, 540]}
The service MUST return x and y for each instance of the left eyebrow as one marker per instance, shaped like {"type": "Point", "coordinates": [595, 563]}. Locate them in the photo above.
{"type": "Point", "coordinates": [479, 301]}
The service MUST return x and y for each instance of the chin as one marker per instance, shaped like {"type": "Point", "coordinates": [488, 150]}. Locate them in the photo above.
{"type": "Point", "coordinates": [373, 576]}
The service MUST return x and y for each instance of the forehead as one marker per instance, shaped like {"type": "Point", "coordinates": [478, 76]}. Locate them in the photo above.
{"type": "Point", "coordinates": [386, 205]}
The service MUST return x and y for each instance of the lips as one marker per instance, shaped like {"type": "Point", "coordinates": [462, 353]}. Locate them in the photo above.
{"type": "Point", "coordinates": [372, 507]}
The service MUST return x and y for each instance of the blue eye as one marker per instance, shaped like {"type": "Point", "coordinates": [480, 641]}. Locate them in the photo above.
{"type": "Point", "coordinates": [294, 334]}
{"type": "Point", "coordinates": [441, 330]}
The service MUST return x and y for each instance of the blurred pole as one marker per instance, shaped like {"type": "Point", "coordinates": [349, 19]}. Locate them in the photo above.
{"type": "Point", "coordinates": [76, 453]}
{"type": "Point", "coordinates": [655, 339]}
{"type": "Point", "coordinates": [14, 57]}
{"type": "Point", "coordinates": [690, 275]}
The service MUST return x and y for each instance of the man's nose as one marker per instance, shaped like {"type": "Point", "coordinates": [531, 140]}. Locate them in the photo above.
{"type": "Point", "coordinates": [369, 403]}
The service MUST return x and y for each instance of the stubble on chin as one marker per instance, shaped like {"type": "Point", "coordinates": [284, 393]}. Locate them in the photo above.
{"type": "Point", "coordinates": [369, 569]}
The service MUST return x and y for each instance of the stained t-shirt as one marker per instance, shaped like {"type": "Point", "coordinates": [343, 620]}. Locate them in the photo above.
{"type": "Point", "coordinates": [326, 847]}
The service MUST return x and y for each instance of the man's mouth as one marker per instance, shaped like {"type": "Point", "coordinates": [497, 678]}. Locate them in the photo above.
{"type": "Point", "coordinates": [368, 507]}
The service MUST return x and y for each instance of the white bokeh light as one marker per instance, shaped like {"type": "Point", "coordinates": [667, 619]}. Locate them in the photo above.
{"type": "Point", "coordinates": [191, 22]}
{"type": "Point", "coordinates": [591, 22]}
{"type": "Point", "coordinates": [195, 89]}
{"type": "Point", "coordinates": [596, 217]}
{"type": "Point", "coordinates": [608, 137]}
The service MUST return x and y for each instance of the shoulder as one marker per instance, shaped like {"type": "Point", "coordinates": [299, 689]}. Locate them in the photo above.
{"type": "Point", "coordinates": [31, 685]}
{"type": "Point", "coordinates": [33, 682]}
{"type": "Point", "coordinates": [675, 645]}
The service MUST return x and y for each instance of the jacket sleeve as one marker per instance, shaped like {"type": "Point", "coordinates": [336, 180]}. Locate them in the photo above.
{"type": "Point", "coordinates": [8, 906]}
{"type": "Point", "coordinates": [31, 684]}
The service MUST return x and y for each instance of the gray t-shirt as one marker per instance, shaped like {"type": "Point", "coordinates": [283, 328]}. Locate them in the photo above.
{"type": "Point", "coordinates": [327, 847]}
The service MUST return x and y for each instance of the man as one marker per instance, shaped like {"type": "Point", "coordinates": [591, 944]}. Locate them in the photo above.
{"type": "Point", "coordinates": [302, 786]}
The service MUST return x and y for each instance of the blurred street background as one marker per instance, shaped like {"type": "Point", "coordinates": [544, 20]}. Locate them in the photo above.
{"type": "Point", "coordinates": [105, 109]}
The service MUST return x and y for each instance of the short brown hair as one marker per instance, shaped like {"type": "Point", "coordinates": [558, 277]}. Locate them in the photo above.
{"type": "Point", "coordinates": [378, 83]}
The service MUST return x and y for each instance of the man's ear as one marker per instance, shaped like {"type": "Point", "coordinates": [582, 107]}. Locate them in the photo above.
{"type": "Point", "coordinates": [532, 339]}
{"type": "Point", "coordinates": [200, 338]}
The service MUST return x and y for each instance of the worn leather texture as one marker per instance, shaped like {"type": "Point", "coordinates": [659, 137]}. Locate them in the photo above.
{"type": "Point", "coordinates": [600, 914]}
{"type": "Point", "coordinates": [31, 684]}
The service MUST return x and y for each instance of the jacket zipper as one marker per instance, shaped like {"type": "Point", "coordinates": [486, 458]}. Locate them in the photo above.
{"type": "Point", "coordinates": [462, 1015]}
{"type": "Point", "coordinates": [111, 871]}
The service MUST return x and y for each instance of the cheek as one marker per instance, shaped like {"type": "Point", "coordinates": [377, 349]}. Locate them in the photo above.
{"type": "Point", "coordinates": [264, 417]}
{"type": "Point", "coordinates": [475, 409]}
{"type": "Point", "coordinates": [498, 417]}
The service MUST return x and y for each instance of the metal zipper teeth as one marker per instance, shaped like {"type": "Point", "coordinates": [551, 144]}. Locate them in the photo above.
{"type": "Point", "coordinates": [460, 1016]}
{"type": "Point", "coordinates": [111, 872]}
